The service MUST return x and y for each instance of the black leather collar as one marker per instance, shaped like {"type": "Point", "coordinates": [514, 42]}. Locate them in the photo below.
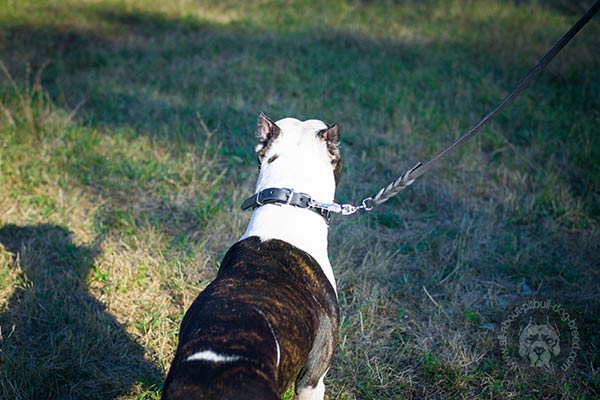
{"type": "Point", "coordinates": [284, 196]}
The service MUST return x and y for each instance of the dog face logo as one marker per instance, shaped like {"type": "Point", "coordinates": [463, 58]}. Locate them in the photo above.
{"type": "Point", "coordinates": [539, 343]}
{"type": "Point", "coordinates": [547, 344]}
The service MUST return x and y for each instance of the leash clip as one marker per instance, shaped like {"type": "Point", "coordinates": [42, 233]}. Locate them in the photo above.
{"type": "Point", "coordinates": [349, 209]}
{"type": "Point", "coordinates": [344, 209]}
{"type": "Point", "coordinates": [331, 207]}
{"type": "Point", "coordinates": [366, 204]}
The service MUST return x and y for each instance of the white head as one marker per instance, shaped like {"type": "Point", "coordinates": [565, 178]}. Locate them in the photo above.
{"type": "Point", "coordinates": [303, 156]}
{"type": "Point", "coordinates": [299, 155]}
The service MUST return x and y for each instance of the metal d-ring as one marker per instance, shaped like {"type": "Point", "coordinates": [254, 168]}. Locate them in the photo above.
{"type": "Point", "coordinates": [367, 204]}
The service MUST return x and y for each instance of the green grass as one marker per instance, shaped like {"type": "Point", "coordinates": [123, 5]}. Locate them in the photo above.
{"type": "Point", "coordinates": [126, 137]}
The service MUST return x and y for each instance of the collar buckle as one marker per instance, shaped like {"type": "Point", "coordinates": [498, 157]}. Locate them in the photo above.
{"type": "Point", "coordinates": [257, 199]}
{"type": "Point", "coordinates": [289, 196]}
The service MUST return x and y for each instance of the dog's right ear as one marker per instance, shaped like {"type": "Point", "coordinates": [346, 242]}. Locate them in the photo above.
{"type": "Point", "coordinates": [266, 132]}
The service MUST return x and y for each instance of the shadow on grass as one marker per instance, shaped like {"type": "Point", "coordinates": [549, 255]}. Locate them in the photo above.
{"type": "Point", "coordinates": [57, 340]}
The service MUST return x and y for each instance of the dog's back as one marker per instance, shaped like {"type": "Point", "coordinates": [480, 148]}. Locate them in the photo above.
{"type": "Point", "coordinates": [266, 321]}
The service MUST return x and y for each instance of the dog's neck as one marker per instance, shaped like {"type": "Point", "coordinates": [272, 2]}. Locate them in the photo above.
{"type": "Point", "coordinates": [300, 227]}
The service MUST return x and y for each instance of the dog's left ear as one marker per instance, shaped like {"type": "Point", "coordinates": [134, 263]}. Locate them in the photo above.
{"type": "Point", "coordinates": [331, 136]}
{"type": "Point", "coordinates": [266, 132]}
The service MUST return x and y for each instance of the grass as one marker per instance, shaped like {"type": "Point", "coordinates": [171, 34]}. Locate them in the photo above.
{"type": "Point", "coordinates": [126, 137]}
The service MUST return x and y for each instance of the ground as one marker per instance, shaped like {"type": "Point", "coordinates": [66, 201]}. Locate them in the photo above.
{"type": "Point", "coordinates": [126, 147]}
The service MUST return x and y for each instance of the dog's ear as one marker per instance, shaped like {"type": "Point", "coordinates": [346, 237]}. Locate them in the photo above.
{"type": "Point", "coordinates": [331, 136]}
{"type": "Point", "coordinates": [266, 132]}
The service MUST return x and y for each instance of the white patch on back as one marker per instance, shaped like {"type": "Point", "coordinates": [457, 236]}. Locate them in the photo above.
{"type": "Point", "coordinates": [304, 166]}
{"type": "Point", "coordinates": [211, 356]}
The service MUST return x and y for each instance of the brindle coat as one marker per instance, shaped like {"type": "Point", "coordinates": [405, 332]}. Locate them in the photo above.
{"type": "Point", "coordinates": [263, 290]}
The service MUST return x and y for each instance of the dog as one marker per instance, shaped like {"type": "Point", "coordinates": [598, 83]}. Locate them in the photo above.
{"type": "Point", "coordinates": [270, 318]}
{"type": "Point", "coordinates": [539, 343]}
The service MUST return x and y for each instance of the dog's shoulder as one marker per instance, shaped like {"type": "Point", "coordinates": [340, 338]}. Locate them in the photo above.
{"type": "Point", "coordinates": [275, 259]}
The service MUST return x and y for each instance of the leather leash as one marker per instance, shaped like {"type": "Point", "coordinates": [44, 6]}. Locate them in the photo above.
{"type": "Point", "coordinates": [393, 188]}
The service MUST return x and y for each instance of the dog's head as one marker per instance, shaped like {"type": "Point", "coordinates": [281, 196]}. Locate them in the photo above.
{"type": "Point", "coordinates": [300, 155]}
{"type": "Point", "coordinates": [539, 343]}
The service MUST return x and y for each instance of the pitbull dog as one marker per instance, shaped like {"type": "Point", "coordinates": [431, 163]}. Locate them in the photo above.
{"type": "Point", "coordinates": [539, 343]}
{"type": "Point", "coordinates": [270, 318]}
